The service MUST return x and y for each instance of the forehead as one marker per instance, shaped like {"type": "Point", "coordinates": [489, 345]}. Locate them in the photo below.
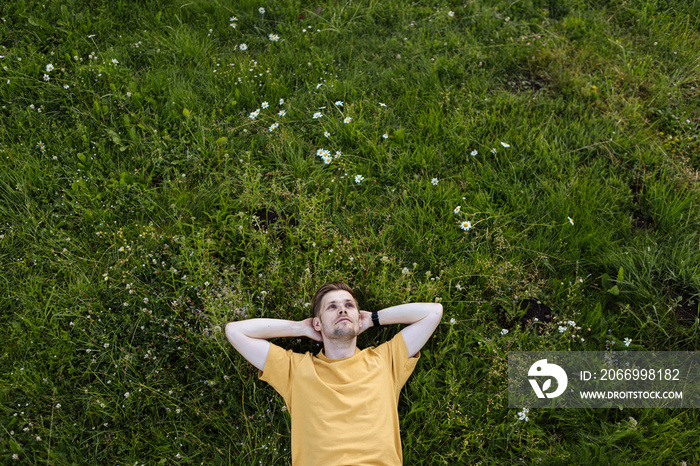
{"type": "Point", "coordinates": [337, 296]}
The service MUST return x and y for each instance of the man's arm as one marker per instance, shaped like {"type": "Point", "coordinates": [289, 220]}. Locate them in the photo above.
{"type": "Point", "coordinates": [423, 319]}
{"type": "Point", "coordinates": [249, 337]}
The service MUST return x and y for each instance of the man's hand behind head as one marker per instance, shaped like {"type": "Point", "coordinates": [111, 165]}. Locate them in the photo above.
{"type": "Point", "coordinates": [365, 321]}
{"type": "Point", "coordinates": [310, 331]}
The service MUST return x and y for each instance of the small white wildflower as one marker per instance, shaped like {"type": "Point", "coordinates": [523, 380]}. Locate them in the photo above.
{"type": "Point", "coordinates": [474, 152]}
{"type": "Point", "coordinates": [243, 47]}
{"type": "Point", "coordinates": [457, 209]}
{"type": "Point", "coordinates": [522, 415]}
{"type": "Point", "coordinates": [359, 178]}
{"type": "Point", "coordinates": [504, 331]}
{"type": "Point", "coordinates": [261, 10]}
{"type": "Point", "coordinates": [49, 68]}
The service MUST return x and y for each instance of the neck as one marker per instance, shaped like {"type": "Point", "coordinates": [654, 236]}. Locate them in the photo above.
{"type": "Point", "coordinates": [339, 348]}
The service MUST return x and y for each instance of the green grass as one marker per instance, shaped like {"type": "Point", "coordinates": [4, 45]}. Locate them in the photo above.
{"type": "Point", "coordinates": [141, 208]}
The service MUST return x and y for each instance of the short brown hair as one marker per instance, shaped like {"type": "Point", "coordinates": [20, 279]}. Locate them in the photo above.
{"type": "Point", "coordinates": [328, 287]}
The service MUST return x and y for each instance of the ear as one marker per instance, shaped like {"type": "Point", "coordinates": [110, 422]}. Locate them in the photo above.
{"type": "Point", "coordinates": [316, 322]}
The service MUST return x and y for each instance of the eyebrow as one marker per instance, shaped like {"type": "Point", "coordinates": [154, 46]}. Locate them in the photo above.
{"type": "Point", "coordinates": [347, 300]}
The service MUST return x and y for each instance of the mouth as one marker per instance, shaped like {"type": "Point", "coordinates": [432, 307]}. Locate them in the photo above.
{"type": "Point", "coordinates": [344, 319]}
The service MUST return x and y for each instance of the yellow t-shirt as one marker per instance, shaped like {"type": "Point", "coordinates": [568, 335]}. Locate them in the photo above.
{"type": "Point", "coordinates": [344, 411]}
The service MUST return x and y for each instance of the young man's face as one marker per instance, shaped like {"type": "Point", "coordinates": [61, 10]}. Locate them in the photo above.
{"type": "Point", "coordinates": [339, 316]}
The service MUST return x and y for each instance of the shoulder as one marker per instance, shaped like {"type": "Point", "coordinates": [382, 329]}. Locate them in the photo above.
{"type": "Point", "coordinates": [281, 361]}
{"type": "Point", "coordinates": [396, 347]}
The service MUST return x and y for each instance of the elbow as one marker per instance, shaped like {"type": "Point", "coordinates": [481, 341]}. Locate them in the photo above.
{"type": "Point", "coordinates": [437, 312]}
{"type": "Point", "coordinates": [230, 331]}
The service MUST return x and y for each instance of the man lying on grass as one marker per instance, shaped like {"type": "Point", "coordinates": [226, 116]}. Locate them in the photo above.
{"type": "Point", "coordinates": [343, 401]}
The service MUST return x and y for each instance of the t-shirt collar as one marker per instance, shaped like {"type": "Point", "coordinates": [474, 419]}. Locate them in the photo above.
{"type": "Point", "coordinates": [323, 357]}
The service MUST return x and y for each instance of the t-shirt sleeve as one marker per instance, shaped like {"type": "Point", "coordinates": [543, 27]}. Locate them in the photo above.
{"type": "Point", "coordinates": [278, 370]}
{"type": "Point", "coordinates": [401, 365]}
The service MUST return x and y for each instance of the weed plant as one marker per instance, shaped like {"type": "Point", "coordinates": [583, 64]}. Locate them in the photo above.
{"type": "Point", "coordinates": [168, 167]}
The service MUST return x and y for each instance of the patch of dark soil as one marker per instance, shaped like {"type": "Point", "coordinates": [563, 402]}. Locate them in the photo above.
{"type": "Point", "coordinates": [641, 218]}
{"type": "Point", "coordinates": [535, 310]}
{"type": "Point", "coordinates": [269, 220]}
{"type": "Point", "coordinates": [526, 83]}
{"type": "Point", "coordinates": [528, 311]}
{"type": "Point", "coordinates": [687, 308]}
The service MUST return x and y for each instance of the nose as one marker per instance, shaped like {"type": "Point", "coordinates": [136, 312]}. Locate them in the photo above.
{"type": "Point", "coordinates": [342, 310]}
